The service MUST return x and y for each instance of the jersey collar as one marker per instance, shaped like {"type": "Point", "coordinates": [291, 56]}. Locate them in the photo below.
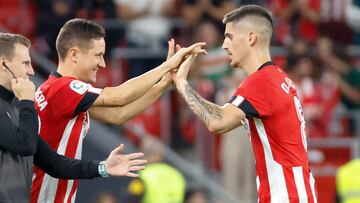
{"type": "Point", "coordinates": [56, 74]}
{"type": "Point", "coordinates": [269, 63]}
{"type": "Point", "coordinates": [6, 95]}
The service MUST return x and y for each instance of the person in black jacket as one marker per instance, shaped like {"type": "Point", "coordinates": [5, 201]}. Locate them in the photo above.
{"type": "Point", "coordinates": [20, 145]}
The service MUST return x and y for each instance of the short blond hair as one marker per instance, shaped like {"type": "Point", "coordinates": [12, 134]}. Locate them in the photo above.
{"type": "Point", "coordinates": [8, 41]}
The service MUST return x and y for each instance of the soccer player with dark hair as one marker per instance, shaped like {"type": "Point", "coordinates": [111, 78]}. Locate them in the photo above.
{"type": "Point", "coordinates": [266, 102]}
{"type": "Point", "coordinates": [20, 144]}
{"type": "Point", "coordinates": [63, 101]}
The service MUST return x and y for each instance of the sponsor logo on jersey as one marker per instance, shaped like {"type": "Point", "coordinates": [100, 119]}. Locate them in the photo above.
{"type": "Point", "coordinates": [78, 86]}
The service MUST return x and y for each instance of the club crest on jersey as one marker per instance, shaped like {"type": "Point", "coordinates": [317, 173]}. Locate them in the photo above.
{"type": "Point", "coordinates": [78, 86]}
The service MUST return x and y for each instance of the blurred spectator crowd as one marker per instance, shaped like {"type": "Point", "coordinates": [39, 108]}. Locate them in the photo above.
{"type": "Point", "coordinates": [316, 41]}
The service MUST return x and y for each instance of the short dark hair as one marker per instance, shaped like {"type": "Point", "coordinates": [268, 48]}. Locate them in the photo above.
{"type": "Point", "coordinates": [247, 10]}
{"type": "Point", "coordinates": [8, 41]}
{"type": "Point", "coordinates": [77, 32]}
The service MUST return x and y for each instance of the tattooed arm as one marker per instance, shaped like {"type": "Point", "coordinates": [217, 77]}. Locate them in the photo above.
{"type": "Point", "coordinates": [218, 119]}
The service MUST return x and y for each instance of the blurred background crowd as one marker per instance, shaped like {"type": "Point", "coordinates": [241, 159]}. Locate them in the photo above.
{"type": "Point", "coordinates": [316, 41]}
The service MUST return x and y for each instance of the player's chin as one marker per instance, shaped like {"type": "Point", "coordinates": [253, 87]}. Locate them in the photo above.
{"type": "Point", "coordinates": [93, 80]}
{"type": "Point", "coordinates": [233, 63]}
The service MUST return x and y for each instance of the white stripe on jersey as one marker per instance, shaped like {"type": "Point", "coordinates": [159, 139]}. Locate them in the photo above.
{"type": "Point", "coordinates": [238, 100]}
{"type": "Point", "coordinates": [257, 186]}
{"type": "Point", "coordinates": [70, 184]}
{"type": "Point", "coordinates": [276, 178]}
{"type": "Point", "coordinates": [65, 138]}
{"type": "Point", "coordinates": [312, 185]}
{"type": "Point", "coordinates": [95, 90]}
{"type": "Point", "coordinates": [300, 184]}
{"type": "Point", "coordinates": [73, 197]}
{"type": "Point", "coordinates": [49, 184]}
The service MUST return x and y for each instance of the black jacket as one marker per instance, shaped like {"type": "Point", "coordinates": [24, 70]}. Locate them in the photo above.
{"type": "Point", "coordinates": [20, 147]}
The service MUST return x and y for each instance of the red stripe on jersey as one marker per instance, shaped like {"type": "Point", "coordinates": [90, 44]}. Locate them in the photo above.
{"type": "Point", "coordinates": [261, 171]}
{"type": "Point", "coordinates": [70, 152]}
{"type": "Point", "coordinates": [61, 190]}
{"type": "Point", "coordinates": [36, 185]}
{"type": "Point", "coordinates": [306, 174]}
{"type": "Point", "coordinates": [290, 184]}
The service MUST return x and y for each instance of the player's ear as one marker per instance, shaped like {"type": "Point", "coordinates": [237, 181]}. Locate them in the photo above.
{"type": "Point", "coordinates": [74, 54]}
{"type": "Point", "coordinates": [2, 61]}
{"type": "Point", "coordinates": [252, 38]}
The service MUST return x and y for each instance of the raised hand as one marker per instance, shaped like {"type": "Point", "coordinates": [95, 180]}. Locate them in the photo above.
{"type": "Point", "coordinates": [184, 68]}
{"type": "Point", "coordinates": [23, 88]}
{"type": "Point", "coordinates": [180, 55]}
{"type": "Point", "coordinates": [167, 78]}
{"type": "Point", "coordinates": [171, 49]}
{"type": "Point", "coordinates": [118, 164]}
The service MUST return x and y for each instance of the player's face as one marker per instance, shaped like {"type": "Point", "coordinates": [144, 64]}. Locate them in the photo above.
{"type": "Point", "coordinates": [20, 64]}
{"type": "Point", "coordinates": [235, 44]}
{"type": "Point", "coordinates": [92, 60]}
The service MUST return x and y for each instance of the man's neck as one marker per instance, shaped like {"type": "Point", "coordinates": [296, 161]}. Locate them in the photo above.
{"type": "Point", "coordinates": [66, 70]}
{"type": "Point", "coordinates": [6, 85]}
{"type": "Point", "coordinates": [252, 63]}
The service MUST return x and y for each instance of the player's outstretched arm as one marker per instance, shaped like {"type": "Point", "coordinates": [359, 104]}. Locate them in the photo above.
{"type": "Point", "coordinates": [119, 115]}
{"type": "Point", "coordinates": [216, 118]}
{"type": "Point", "coordinates": [136, 87]}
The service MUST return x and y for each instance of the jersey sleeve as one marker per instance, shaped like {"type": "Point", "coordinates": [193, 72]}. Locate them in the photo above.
{"type": "Point", "coordinates": [252, 96]}
{"type": "Point", "coordinates": [77, 96]}
{"type": "Point", "coordinates": [60, 166]}
{"type": "Point", "coordinates": [87, 101]}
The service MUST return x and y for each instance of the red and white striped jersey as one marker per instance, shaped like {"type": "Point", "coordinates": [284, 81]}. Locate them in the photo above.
{"type": "Point", "coordinates": [277, 131]}
{"type": "Point", "coordinates": [62, 104]}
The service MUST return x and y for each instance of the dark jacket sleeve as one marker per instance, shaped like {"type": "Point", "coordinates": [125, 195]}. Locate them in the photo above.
{"type": "Point", "coordinates": [59, 166]}
{"type": "Point", "coordinates": [21, 140]}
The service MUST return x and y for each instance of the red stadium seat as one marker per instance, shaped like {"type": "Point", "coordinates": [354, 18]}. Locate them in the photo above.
{"type": "Point", "coordinates": [17, 18]}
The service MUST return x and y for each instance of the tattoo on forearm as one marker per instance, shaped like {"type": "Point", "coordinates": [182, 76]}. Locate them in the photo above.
{"type": "Point", "coordinates": [204, 109]}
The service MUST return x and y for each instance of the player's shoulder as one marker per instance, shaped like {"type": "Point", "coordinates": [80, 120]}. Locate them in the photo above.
{"type": "Point", "coordinates": [265, 77]}
{"type": "Point", "coordinates": [54, 81]}
{"type": "Point", "coordinates": [270, 73]}
{"type": "Point", "coordinates": [68, 84]}
{"type": "Point", "coordinates": [71, 84]}
{"type": "Point", "coordinates": [78, 86]}
{"type": "Point", "coordinates": [271, 69]}
{"type": "Point", "coordinates": [259, 77]}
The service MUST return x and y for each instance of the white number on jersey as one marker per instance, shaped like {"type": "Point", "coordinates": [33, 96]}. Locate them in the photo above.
{"type": "Point", "coordinates": [287, 85]}
{"type": "Point", "coordinates": [300, 115]}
